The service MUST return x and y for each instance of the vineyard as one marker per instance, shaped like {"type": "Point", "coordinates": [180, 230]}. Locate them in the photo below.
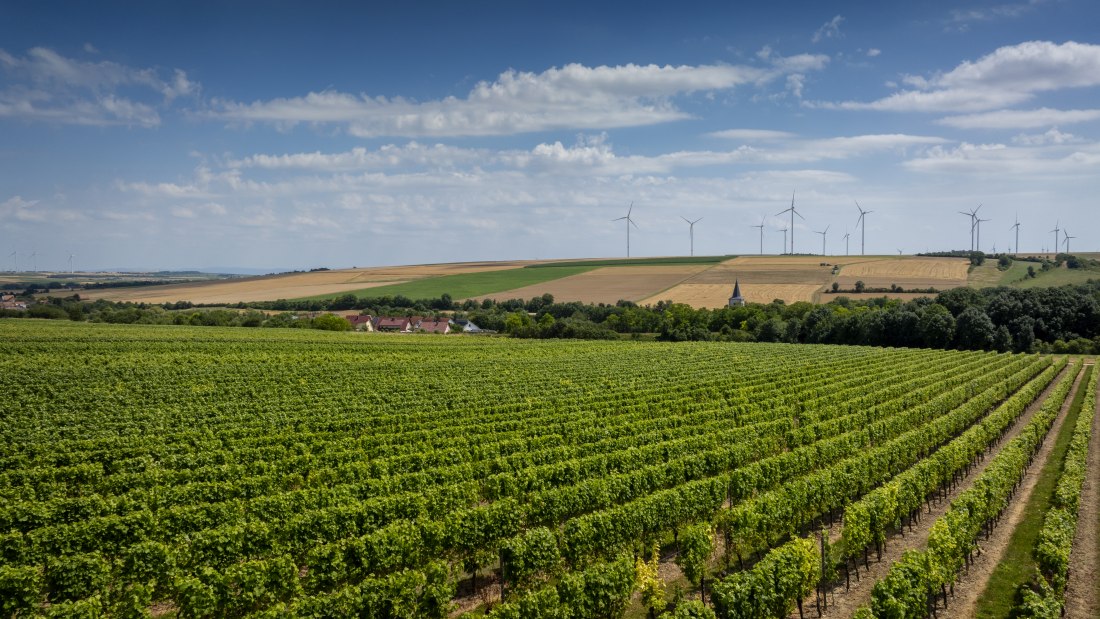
{"type": "Point", "coordinates": [202, 472]}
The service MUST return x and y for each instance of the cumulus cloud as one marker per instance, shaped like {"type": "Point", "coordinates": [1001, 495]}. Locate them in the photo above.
{"type": "Point", "coordinates": [828, 30]}
{"type": "Point", "coordinates": [571, 97]}
{"type": "Point", "coordinates": [1008, 76]}
{"type": "Point", "coordinates": [873, 52]}
{"type": "Point", "coordinates": [48, 87]}
{"type": "Point", "coordinates": [1020, 119]}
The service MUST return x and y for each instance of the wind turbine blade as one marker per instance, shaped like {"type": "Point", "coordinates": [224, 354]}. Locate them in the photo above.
{"type": "Point", "coordinates": [685, 219]}
{"type": "Point", "coordinates": [632, 223]}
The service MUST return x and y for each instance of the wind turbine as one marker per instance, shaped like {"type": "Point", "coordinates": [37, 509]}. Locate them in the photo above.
{"type": "Point", "coordinates": [1017, 226]}
{"type": "Point", "coordinates": [691, 231]}
{"type": "Point", "coordinates": [863, 230]}
{"type": "Point", "coordinates": [761, 226]}
{"type": "Point", "coordinates": [34, 260]}
{"type": "Point", "coordinates": [1067, 238]}
{"type": "Point", "coordinates": [978, 227]}
{"type": "Point", "coordinates": [15, 261]}
{"type": "Point", "coordinates": [629, 222]}
{"type": "Point", "coordinates": [71, 263]}
{"type": "Point", "coordinates": [899, 252]}
{"type": "Point", "coordinates": [1056, 230]}
{"type": "Point", "coordinates": [823, 233]}
{"type": "Point", "coordinates": [784, 231]}
{"type": "Point", "coordinates": [973, 215]}
{"type": "Point", "coordinates": [793, 213]}
{"type": "Point", "coordinates": [846, 235]}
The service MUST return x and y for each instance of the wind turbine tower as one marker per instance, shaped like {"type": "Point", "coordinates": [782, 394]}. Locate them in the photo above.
{"type": "Point", "coordinates": [761, 226]}
{"type": "Point", "coordinates": [793, 213]}
{"type": "Point", "coordinates": [1056, 230]}
{"type": "Point", "coordinates": [863, 230]}
{"type": "Point", "coordinates": [34, 260]}
{"type": "Point", "coordinates": [978, 227]}
{"type": "Point", "coordinates": [784, 231]}
{"type": "Point", "coordinates": [691, 231]}
{"type": "Point", "coordinates": [823, 233]}
{"type": "Point", "coordinates": [15, 261]}
{"type": "Point", "coordinates": [1067, 238]}
{"type": "Point", "coordinates": [70, 263]}
{"type": "Point", "coordinates": [1017, 227]}
{"type": "Point", "coordinates": [629, 222]}
{"type": "Point", "coordinates": [846, 235]}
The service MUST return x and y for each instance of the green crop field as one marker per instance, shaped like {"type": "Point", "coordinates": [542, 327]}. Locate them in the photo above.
{"type": "Point", "coordinates": [203, 472]}
{"type": "Point", "coordinates": [466, 285]}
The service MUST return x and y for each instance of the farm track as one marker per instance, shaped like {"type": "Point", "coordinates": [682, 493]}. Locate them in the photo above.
{"type": "Point", "coordinates": [843, 603]}
{"type": "Point", "coordinates": [1082, 592]}
{"type": "Point", "coordinates": [972, 584]}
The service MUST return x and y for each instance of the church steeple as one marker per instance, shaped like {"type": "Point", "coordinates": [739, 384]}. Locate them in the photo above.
{"type": "Point", "coordinates": [736, 300]}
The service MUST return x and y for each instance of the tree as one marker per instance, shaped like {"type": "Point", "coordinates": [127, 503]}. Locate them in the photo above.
{"type": "Point", "coordinates": [331, 322]}
{"type": "Point", "coordinates": [859, 286]}
{"type": "Point", "coordinates": [937, 326]}
{"type": "Point", "coordinates": [974, 330]}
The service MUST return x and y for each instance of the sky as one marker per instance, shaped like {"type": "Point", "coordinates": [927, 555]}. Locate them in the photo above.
{"type": "Point", "coordinates": [270, 136]}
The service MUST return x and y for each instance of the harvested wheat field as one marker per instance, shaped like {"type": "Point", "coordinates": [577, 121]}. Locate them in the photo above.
{"type": "Point", "coordinates": [291, 285]}
{"type": "Point", "coordinates": [717, 295]}
{"type": "Point", "coordinates": [607, 284]}
{"type": "Point", "coordinates": [909, 272]}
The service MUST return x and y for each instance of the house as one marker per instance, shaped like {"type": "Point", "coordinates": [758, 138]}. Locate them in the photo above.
{"type": "Point", "coordinates": [361, 323]}
{"type": "Point", "coordinates": [466, 325]}
{"type": "Point", "coordinates": [435, 326]}
{"type": "Point", "coordinates": [736, 300]}
{"type": "Point", "coordinates": [8, 302]}
{"type": "Point", "coordinates": [392, 324]}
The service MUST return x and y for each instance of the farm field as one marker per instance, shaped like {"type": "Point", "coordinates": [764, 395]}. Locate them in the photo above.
{"type": "Point", "coordinates": [294, 285]}
{"type": "Point", "coordinates": [208, 472]}
{"type": "Point", "coordinates": [700, 282]}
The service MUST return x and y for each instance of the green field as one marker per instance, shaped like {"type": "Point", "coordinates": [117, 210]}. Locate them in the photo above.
{"type": "Point", "coordinates": [467, 285]}
{"type": "Point", "coordinates": [207, 472]}
{"type": "Point", "coordinates": [636, 262]}
{"type": "Point", "coordinates": [1057, 277]}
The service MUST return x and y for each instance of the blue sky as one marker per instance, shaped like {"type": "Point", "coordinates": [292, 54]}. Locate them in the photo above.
{"type": "Point", "coordinates": [277, 136]}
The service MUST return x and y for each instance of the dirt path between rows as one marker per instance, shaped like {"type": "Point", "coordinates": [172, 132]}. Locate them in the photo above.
{"type": "Point", "coordinates": [973, 583]}
{"type": "Point", "coordinates": [1084, 564]}
{"type": "Point", "coordinates": [844, 603]}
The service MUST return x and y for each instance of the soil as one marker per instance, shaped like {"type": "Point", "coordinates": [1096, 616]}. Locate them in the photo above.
{"type": "Point", "coordinates": [971, 585]}
{"type": "Point", "coordinates": [843, 603]}
{"type": "Point", "coordinates": [1084, 564]}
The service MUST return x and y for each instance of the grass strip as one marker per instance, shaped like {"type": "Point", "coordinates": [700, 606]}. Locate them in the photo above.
{"type": "Point", "coordinates": [1018, 563]}
{"type": "Point", "coordinates": [465, 285]}
{"type": "Point", "coordinates": [635, 262]}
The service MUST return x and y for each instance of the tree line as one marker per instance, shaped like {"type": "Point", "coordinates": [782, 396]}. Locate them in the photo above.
{"type": "Point", "coordinates": [1064, 319]}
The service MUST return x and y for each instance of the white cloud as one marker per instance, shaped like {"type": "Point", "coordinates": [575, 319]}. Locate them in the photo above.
{"type": "Point", "coordinates": [873, 52]}
{"type": "Point", "coordinates": [1008, 76]}
{"type": "Point", "coordinates": [1020, 119]}
{"type": "Point", "coordinates": [22, 210]}
{"type": "Point", "coordinates": [751, 134]}
{"type": "Point", "coordinates": [571, 97]}
{"type": "Point", "coordinates": [390, 155]}
{"type": "Point", "coordinates": [959, 20]}
{"type": "Point", "coordinates": [1053, 136]}
{"type": "Point", "coordinates": [828, 30]}
{"type": "Point", "coordinates": [1000, 161]}
{"type": "Point", "coordinates": [48, 87]}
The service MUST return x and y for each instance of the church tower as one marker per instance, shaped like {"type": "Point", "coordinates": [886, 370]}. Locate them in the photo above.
{"type": "Point", "coordinates": [736, 300]}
